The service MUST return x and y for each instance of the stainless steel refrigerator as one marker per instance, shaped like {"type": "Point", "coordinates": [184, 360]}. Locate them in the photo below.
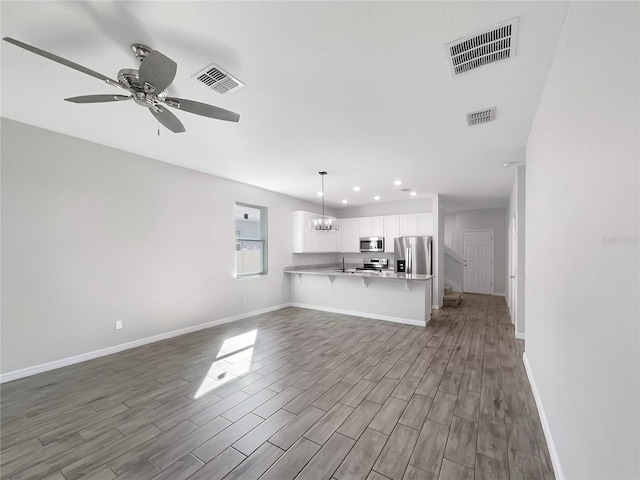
{"type": "Point", "coordinates": [415, 252]}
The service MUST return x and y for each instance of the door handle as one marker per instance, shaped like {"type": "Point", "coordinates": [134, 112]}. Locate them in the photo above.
{"type": "Point", "coordinates": [512, 276]}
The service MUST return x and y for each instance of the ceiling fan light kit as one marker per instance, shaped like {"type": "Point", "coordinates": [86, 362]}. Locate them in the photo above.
{"type": "Point", "coordinates": [147, 86]}
{"type": "Point", "coordinates": [323, 223]}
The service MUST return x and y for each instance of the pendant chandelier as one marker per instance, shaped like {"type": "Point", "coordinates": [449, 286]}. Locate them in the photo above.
{"type": "Point", "coordinates": [323, 222]}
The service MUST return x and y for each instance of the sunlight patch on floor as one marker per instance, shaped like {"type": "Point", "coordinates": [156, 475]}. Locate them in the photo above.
{"type": "Point", "coordinates": [233, 360]}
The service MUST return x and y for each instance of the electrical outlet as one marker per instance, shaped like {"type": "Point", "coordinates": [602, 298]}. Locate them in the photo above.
{"type": "Point", "coordinates": [118, 324]}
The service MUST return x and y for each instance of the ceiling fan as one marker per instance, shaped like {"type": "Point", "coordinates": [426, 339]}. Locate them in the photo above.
{"type": "Point", "coordinates": [146, 86]}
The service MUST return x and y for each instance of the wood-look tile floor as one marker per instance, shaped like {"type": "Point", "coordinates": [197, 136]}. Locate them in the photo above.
{"type": "Point", "coordinates": [291, 394]}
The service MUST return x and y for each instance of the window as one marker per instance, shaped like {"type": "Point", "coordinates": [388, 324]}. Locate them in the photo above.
{"type": "Point", "coordinates": [251, 240]}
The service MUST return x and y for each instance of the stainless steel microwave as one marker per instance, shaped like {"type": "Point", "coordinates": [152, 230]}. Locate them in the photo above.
{"type": "Point", "coordinates": [372, 244]}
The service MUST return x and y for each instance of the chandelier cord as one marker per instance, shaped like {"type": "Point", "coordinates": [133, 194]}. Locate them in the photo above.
{"type": "Point", "coordinates": [322, 176]}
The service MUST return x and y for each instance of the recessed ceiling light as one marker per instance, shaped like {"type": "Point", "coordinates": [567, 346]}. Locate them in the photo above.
{"type": "Point", "coordinates": [397, 182]}
{"type": "Point", "coordinates": [413, 194]}
{"type": "Point", "coordinates": [356, 189]}
{"type": "Point", "coordinates": [377, 197]}
{"type": "Point", "coordinates": [320, 194]}
{"type": "Point", "coordinates": [344, 201]}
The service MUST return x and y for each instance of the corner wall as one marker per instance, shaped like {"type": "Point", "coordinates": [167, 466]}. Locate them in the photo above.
{"type": "Point", "coordinates": [92, 235]}
{"type": "Point", "coordinates": [582, 248]}
{"type": "Point", "coordinates": [438, 251]}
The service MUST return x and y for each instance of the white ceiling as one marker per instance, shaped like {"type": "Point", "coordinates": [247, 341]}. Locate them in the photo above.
{"type": "Point", "coordinates": [359, 89]}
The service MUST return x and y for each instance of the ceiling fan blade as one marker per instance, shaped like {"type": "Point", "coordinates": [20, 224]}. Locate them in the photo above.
{"type": "Point", "coordinates": [168, 119]}
{"type": "Point", "coordinates": [63, 61]}
{"type": "Point", "coordinates": [157, 71]}
{"type": "Point", "coordinates": [203, 109]}
{"type": "Point", "coordinates": [98, 98]}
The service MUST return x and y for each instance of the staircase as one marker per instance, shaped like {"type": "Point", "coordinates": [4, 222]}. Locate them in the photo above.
{"type": "Point", "coordinates": [451, 298]}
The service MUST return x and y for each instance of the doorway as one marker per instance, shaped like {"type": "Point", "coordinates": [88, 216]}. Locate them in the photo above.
{"type": "Point", "coordinates": [477, 248]}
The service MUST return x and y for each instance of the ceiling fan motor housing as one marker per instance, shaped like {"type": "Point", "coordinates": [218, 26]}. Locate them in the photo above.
{"type": "Point", "coordinates": [129, 78]}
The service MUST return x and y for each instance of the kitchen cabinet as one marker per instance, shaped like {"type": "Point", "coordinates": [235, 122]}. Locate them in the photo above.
{"type": "Point", "coordinates": [380, 297]}
{"type": "Point", "coordinates": [424, 224]}
{"type": "Point", "coordinates": [304, 240]}
{"type": "Point", "coordinates": [333, 240]}
{"type": "Point", "coordinates": [416, 224]}
{"type": "Point", "coordinates": [408, 225]}
{"type": "Point", "coordinates": [347, 238]}
{"type": "Point", "coordinates": [371, 227]}
{"type": "Point", "coordinates": [327, 240]}
{"type": "Point", "coordinates": [391, 231]}
{"type": "Point", "coordinates": [349, 235]}
{"type": "Point", "coordinates": [312, 241]}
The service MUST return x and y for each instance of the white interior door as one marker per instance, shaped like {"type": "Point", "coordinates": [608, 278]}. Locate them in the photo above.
{"type": "Point", "coordinates": [477, 247]}
{"type": "Point", "coordinates": [513, 265]}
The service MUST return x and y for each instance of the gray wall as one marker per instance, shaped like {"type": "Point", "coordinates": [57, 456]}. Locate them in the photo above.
{"type": "Point", "coordinates": [582, 256]}
{"type": "Point", "coordinates": [483, 219]}
{"type": "Point", "coordinates": [91, 235]}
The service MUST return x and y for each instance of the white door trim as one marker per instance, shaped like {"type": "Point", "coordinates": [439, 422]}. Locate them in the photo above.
{"type": "Point", "coordinates": [512, 283]}
{"type": "Point", "coordinates": [493, 254]}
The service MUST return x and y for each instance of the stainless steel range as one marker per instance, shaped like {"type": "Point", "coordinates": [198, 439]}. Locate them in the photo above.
{"type": "Point", "coordinates": [376, 264]}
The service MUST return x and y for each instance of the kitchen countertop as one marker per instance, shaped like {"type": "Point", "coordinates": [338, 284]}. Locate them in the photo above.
{"type": "Point", "coordinates": [332, 271]}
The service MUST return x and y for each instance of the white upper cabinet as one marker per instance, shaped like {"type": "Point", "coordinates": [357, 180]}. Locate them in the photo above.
{"type": "Point", "coordinates": [328, 240]}
{"type": "Point", "coordinates": [349, 235]}
{"type": "Point", "coordinates": [424, 224]}
{"type": "Point", "coordinates": [391, 231]}
{"type": "Point", "coordinates": [371, 226]}
{"type": "Point", "coordinates": [304, 240]}
{"type": "Point", "coordinates": [408, 225]}
{"type": "Point", "coordinates": [321, 241]}
{"type": "Point", "coordinates": [347, 238]}
{"type": "Point", "coordinates": [333, 239]}
{"type": "Point", "coordinates": [311, 241]}
{"type": "Point", "coordinates": [416, 224]}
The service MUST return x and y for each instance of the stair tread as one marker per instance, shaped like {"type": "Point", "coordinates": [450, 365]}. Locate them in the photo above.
{"type": "Point", "coordinates": [453, 295]}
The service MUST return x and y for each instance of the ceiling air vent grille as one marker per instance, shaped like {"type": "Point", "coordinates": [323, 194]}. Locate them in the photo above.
{"type": "Point", "coordinates": [481, 116]}
{"type": "Point", "coordinates": [217, 79]}
{"type": "Point", "coordinates": [483, 48]}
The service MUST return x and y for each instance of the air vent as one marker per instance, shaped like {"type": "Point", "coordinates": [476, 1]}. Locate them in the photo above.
{"type": "Point", "coordinates": [483, 48]}
{"type": "Point", "coordinates": [217, 79]}
{"type": "Point", "coordinates": [481, 116]}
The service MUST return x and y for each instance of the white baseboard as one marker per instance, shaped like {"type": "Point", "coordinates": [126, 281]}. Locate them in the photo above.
{"type": "Point", "coordinates": [553, 453]}
{"type": "Point", "coordinates": [520, 336]}
{"type": "Point", "coordinates": [375, 316]}
{"type": "Point", "coordinates": [64, 362]}
{"type": "Point", "coordinates": [497, 294]}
